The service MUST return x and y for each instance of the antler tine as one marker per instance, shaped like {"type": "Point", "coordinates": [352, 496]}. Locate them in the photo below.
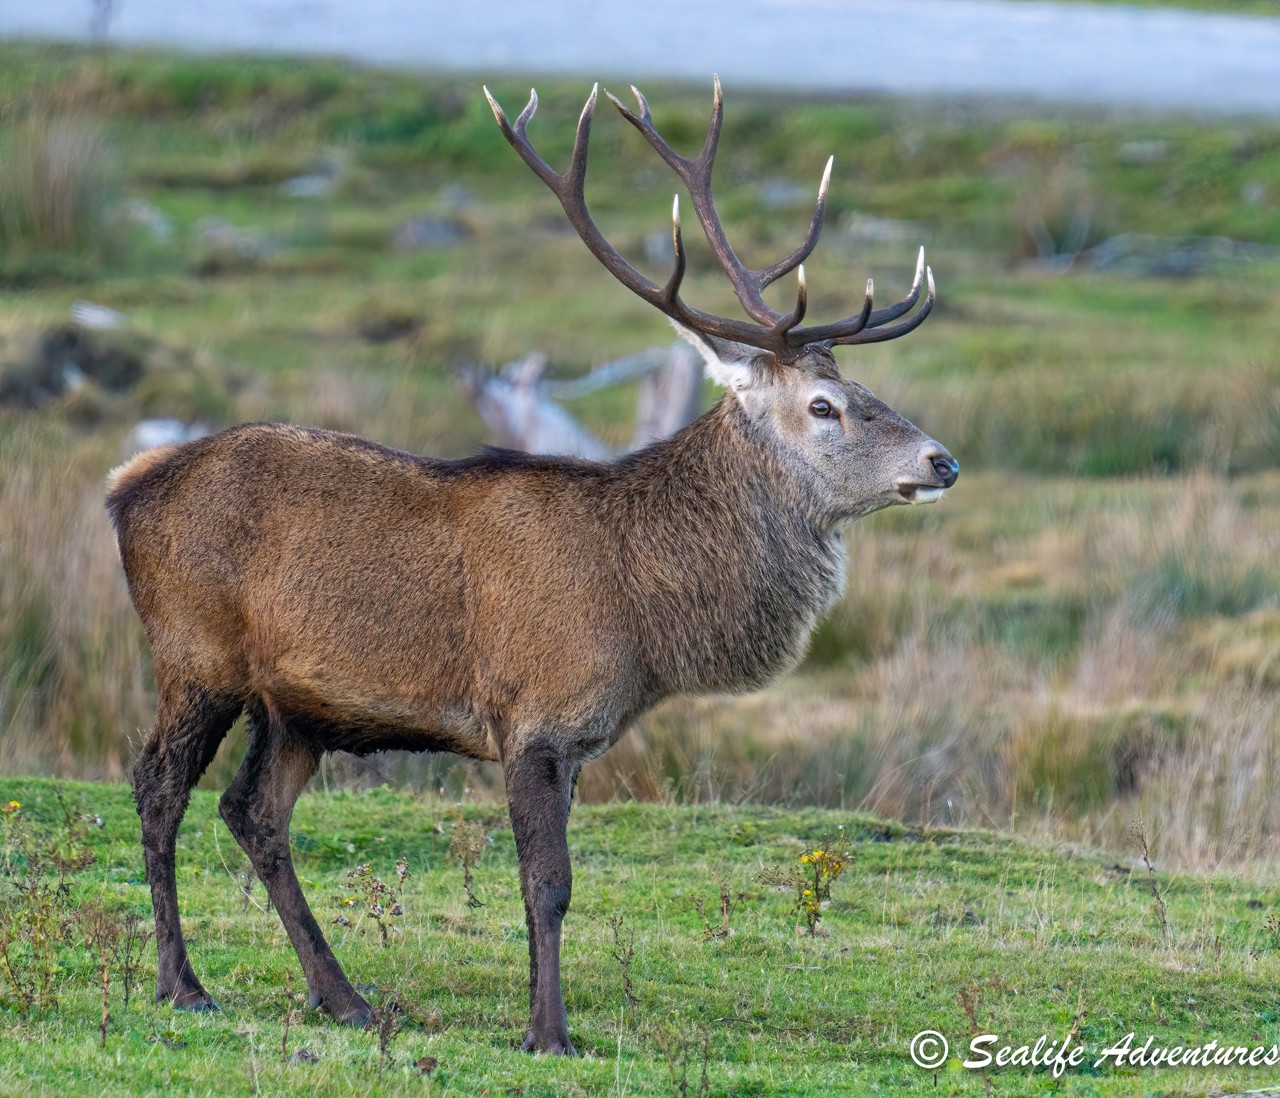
{"type": "Point", "coordinates": [500, 114]}
{"type": "Point", "coordinates": [802, 304]}
{"type": "Point", "coordinates": [841, 330]}
{"type": "Point", "coordinates": [518, 141]}
{"type": "Point", "coordinates": [768, 275]}
{"type": "Point", "coordinates": [834, 333]}
{"type": "Point", "coordinates": [714, 124]}
{"type": "Point", "coordinates": [882, 334]}
{"type": "Point", "coordinates": [643, 122]}
{"type": "Point", "coordinates": [672, 289]}
{"type": "Point", "coordinates": [576, 176]}
{"type": "Point", "coordinates": [530, 108]}
{"type": "Point", "coordinates": [898, 308]}
{"type": "Point", "coordinates": [645, 113]}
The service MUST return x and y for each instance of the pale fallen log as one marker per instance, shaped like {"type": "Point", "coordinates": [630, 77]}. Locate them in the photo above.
{"type": "Point", "coordinates": [521, 412]}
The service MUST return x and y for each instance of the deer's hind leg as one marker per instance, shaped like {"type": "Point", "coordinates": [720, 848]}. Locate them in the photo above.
{"type": "Point", "coordinates": [257, 807]}
{"type": "Point", "coordinates": [191, 722]}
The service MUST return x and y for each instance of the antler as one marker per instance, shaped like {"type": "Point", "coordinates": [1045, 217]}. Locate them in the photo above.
{"type": "Point", "coordinates": [778, 333]}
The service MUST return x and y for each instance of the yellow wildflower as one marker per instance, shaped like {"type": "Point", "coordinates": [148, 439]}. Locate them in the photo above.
{"type": "Point", "coordinates": [12, 806]}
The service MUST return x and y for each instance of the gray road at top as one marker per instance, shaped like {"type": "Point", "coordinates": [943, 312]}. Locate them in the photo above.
{"type": "Point", "coordinates": [1085, 53]}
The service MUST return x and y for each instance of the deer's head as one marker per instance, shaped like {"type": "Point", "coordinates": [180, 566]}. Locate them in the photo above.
{"type": "Point", "coordinates": [854, 453]}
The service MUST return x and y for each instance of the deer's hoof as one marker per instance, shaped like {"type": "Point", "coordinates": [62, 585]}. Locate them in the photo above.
{"type": "Point", "coordinates": [346, 1007]}
{"type": "Point", "coordinates": [553, 1045]}
{"type": "Point", "coordinates": [187, 997]}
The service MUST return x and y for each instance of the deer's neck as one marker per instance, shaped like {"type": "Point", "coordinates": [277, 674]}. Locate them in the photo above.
{"type": "Point", "coordinates": [727, 571]}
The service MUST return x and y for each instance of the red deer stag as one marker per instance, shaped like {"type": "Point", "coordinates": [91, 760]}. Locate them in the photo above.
{"type": "Point", "coordinates": [522, 609]}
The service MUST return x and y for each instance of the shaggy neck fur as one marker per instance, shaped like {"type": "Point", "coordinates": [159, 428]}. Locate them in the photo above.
{"type": "Point", "coordinates": [719, 544]}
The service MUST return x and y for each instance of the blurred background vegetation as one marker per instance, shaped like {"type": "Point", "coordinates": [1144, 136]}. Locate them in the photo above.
{"type": "Point", "coordinates": [1086, 630]}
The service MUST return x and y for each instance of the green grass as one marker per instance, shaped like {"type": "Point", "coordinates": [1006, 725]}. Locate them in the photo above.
{"type": "Point", "coordinates": [1049, 939]}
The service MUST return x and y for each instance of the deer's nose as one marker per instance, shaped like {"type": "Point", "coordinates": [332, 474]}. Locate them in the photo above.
{"type": "Point", "coordinates": [946, 467]}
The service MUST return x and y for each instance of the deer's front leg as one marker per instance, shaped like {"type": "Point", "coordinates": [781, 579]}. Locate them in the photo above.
{"type": "Point", "coordinates": [539, 788]}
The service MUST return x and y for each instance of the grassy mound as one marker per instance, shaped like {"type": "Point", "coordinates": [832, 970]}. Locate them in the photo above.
{"type": "Point", "coordinates": [962, 932]}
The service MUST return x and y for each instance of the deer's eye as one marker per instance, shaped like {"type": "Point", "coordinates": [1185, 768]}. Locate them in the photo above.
{"type": "Point", "coordinates": [820, 407]}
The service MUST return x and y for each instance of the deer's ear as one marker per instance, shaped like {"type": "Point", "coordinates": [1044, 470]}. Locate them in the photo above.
{"type": "Point", "coordinates": [736, 366]}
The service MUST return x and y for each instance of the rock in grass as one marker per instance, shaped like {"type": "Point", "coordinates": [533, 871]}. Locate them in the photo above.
{"type": "Point", "coordinates": [147, 434]}
{"type": "Point", "coordinates": [98, 317]}
{"type": "Point", "coordinates": [66, 358]}
{"type": "Point", "coordinates": [429, 233]}
{"type": "Point", "coordinates": [223, 248]}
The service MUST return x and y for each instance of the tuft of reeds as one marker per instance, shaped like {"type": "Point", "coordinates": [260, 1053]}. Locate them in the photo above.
{"type": "Point", "coordinates": [54, 186]}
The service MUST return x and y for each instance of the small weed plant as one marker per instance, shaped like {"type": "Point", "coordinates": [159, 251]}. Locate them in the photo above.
{"type": "Point", "coordinates": [1138, 836]}
{"type": "Point", "coordinates": [716, 931]}
{"type": "Point", "coordinates": [811, 877]}
{"type": "Point", "coordinates": [378, 901]}
{"type": "Point", "coordinates": [624, 952]}
{"type": "Point", "coordinates": [466, 847]}
{"type": "Point", "coordinates": [683, 1052]}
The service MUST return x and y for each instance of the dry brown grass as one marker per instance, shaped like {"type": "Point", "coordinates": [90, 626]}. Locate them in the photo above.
{"type": "Point", "coordinates": [76, 685]}
{"type": "Point", "coordinates": [53, 185]}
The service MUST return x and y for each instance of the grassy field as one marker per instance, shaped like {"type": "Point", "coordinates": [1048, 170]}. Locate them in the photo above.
{"type": "Point", "coordinates": [1088, 630]}
{"type": "Point", "coordinates": [963, 932]}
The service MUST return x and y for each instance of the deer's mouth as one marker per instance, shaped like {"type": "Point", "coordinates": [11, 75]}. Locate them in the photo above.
{"type": "Point", "coordinates": [919, 493]}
